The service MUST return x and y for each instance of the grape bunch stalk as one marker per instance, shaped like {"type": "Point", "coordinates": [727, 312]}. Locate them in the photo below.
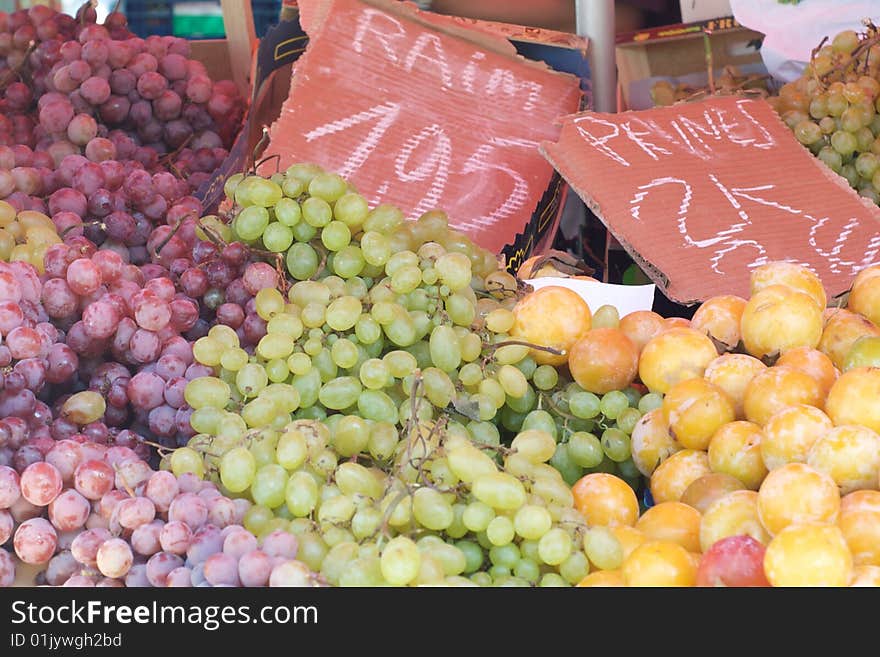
{"type": "Point", "coordinates": [834, 107]}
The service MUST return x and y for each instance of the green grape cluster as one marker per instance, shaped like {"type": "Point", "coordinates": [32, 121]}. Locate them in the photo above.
{"type": "Point", "coordinates": [834, 108]}
{"type": "Point", "coordinates": [388, 407]}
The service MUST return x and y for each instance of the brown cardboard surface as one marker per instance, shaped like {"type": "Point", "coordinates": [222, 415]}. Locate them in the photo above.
{"type": "Point", "coordinates": [677, 51]}
{"type": "Point", "coordinates": [422, 117]}
{"type": "Point", "coordinates": [701, 193]}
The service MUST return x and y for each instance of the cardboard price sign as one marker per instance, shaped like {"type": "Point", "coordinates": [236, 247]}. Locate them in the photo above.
{"type": "Point", "coordinates": [701, 193]}
{"type": "Point", "coordinates": [423, 116]}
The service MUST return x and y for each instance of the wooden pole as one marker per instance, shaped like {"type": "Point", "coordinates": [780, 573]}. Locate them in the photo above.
{"type": "Point", "coordinates": [238, 21]}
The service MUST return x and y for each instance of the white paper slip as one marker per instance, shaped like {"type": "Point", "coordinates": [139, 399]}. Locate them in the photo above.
{"type": "Point", "coordinates": [793, 30]}
{"type": "Point", "coordinates": [626, 298]}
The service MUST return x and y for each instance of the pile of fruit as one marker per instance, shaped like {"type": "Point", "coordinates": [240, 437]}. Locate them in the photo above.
{"type": "Point", "coordinates": [303, 390]}
{"type": "Point", "coordinates": [834, 108]}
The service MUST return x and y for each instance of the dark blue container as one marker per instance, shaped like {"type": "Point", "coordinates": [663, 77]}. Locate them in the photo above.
{"type": "Point", "coordinates": [146, 17]}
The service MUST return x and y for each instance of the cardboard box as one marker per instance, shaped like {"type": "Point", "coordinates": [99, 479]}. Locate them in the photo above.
{"type": "Point", "coordinates": [678, 53]}
{"type": "Point", "coordinates": [701, 193]}
{"type": "Point", "coordinates": [701, 10]}
{"type": "Point", "coordinates": [515, 237]}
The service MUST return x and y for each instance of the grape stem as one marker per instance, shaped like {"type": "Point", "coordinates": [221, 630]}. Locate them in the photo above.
{"type": "Point", "coordinates": [871, 38]}
{"type": "Point", "coordinates": [166, 159]}
{"type": "Point", "coordinates": [12, 73]}
{"type": "Point", "coordinates": [523, 343]}
{"type": "Point", "coordinates": [250, 166]}
{"type": "Point", "coordinates": [171, 234]}
{"type": "Point", "coordinates": [321, 265]}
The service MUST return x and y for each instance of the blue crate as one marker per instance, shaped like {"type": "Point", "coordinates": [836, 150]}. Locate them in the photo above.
{"type": "Point", "coordinates": [146, 17]}
{"type": "Point", "coordinates": [266, 13]}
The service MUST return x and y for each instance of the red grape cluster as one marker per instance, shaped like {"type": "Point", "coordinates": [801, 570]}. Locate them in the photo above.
{"type": "Point", "coordinates": [34, 352]}
{"type": "Point", "coordinates": [106, 132]}
{"type": "Point", "coordinates": [100, 516]}
{"type": "Point", "coordinates": [121, 319]}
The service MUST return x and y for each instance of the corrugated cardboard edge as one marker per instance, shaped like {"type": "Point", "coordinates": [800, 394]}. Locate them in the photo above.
{"type": "Point", "coordinates": [482, 34]}
{"type": "Point", "coordinates": [655, 274]}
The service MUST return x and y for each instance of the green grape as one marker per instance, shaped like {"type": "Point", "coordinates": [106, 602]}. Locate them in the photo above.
{"type": "Point", "coordinates": [231, 184]}
{"type": "Point", "coordinates": [527, 569]}
{"type": "Point", "coordinates": [628, 469]}
{"type": "Point", "coordinates": [542, 420]}
{"type": "Point", "coordinates": [376, 248]}
{"type": "Point", "coordinates": [316, 212]}
{"type": "Point", "coordinates": [340, 393]}
{"type": "Point", "coordinates": [845, 41]}
{"type": "Point", "coordinates": [584, 405]}
{"type": "Point", "coordinates": [444, 348]}
{"type": "Point", "coordinates": [473, 555]}
{"type": "Point", "coordinates": [335, 235]}
{"type": "Point", "coordinates": [186, 459]}
{"type": "Point", "coordinates": [400, 561]}
{"type": "Point", "coordinates": [288, 213]}
{"type": "Point", "coordinates": [555, 546]}
{"type": "Point", "coordinates": [207, 391]}
{"type": "Point", "coordinates": [303, 232]}
{"type": "Point", "coordinates": [500, 531]}
{"type": "Point", "coordinates": [251, 222]}
{"type": "Point", "coordinates": [285, 324]}
{"type": "Point", "coordinates": [585, 449]}
{"type": "Point", "coordinates": [328, 186]}
{"type": "Point", "coordinates": [616, 444]}
{"type": "Point", "coordinates": [299, 363]}
{"type": "Point", "coordinates": [344, 353]}
{"type": "Point", "coordinates": [650, 402]}
{"type": "Point", "coordinates": [633, 395]}
{"type": "Point", "coordinates": [301, 494]}
{"type": "Point", "coordinates": [277, 237]}
{"type": "Point", "coordinates": [302, 261]}
{"type": "Point", "coordinates": [366, 522]}
{"type": "Point", "coordinates": [264, 193]}
{"type": "Point", "coordinates": [269, 485]}
{"type": "Point", "coordinates": [867, 165]}
{"type": "Point", "coordinates": [431, 509]}
{"type": "Point", "coordinates": [277, 371]}
{"type": "Point", "coordinates": [523, 405]}
{"type": "Point", "coordinates": [531, 521]}
{"type": "Point", "coordinates": [512, 381]}
{"type": "Point", "coordinates": [347, 262]}
{"type": "Point", "coordinates": [545, 377]}
{"type": "Point", "coordinates": [460, 309]}
{"type": "Point", "coordinates": [291, 450]}
{"type": "Point", "coordinates": [205, 420]}
{"type": "Point", "coordinates": [470, 374]}
{"type": "Point", "coordinates": [849, 172]}
{"type": "Point", "coordinates": [454, 270]}
{"type": "Point", "coordinates": [351, 209]}
{"type": "Point", "coordinates": [374, 374]}
{"type": "Point", "coordinates": [844, 143]}
{"type": "Point", "coordinates": [831, 158]}
{"type": "Point", "coordinates": [231, 426]}
{"type": "Point", "coordinates": [613, 403]}
{"type": "Point", "coordinates": [627, 420]}
{"type": "Point", "coordinates": [256, 518]}
{"type": "Point", "coordinates": [602, 548]}
{"type": "Point", "coordinates": [377, 406]}
{"type": "Point", "coordinates": [208, 351]}
{"type": "Point", "coordinates": [271, 346]}
{"type": "Point", "coordinates": [383, 440]}
{"type": "Point", "coordinates": [607, 316]}
{"type": "Point", "coordinates": [268, 303]}
{"type": "Point", "coordinates": [251, 379]}
{"type": "Point", "coordinates": [504, 555]}
{"type": "Point", "coordinates": [499, 490]}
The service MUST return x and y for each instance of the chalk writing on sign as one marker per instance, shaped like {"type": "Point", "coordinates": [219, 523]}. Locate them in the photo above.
{"type": "Point", "coordinates": [705, 192]}
{"type": "Point", "coordinates": [423, 119]}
